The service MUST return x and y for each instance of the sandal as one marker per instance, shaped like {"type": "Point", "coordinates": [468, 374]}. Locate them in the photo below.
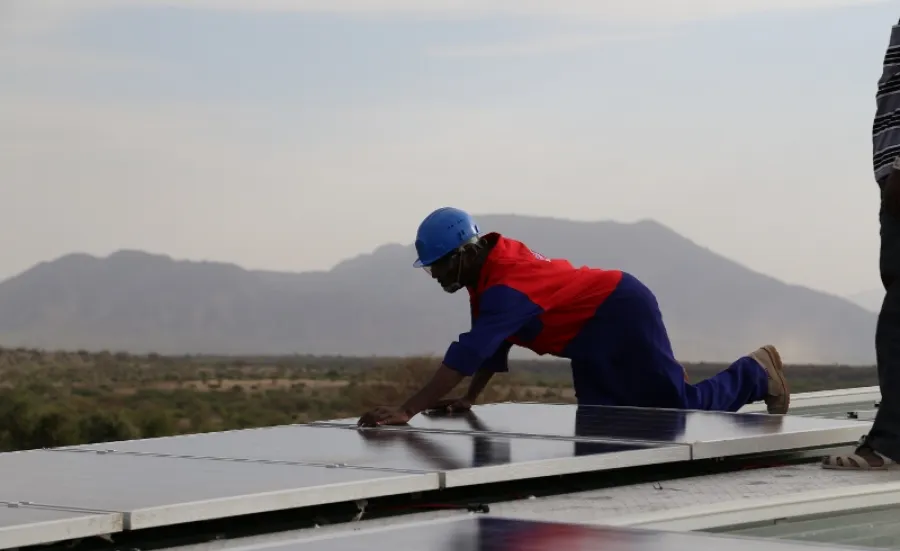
{"type": "Point", "coordinates": [856, 462]}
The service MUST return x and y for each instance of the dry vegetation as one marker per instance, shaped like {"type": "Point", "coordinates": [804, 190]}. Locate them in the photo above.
{"type": "Point", "coordinates": [62, 398]}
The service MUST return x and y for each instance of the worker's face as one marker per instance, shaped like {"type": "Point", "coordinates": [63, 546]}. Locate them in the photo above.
{"type": "Point", "coordinates": [448, 272]}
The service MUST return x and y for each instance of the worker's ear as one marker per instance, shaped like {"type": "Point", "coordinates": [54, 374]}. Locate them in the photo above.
{"type": "Point", "coordinates": [469, 256]}
{"type": "Point", "coordinates": [469, 253]}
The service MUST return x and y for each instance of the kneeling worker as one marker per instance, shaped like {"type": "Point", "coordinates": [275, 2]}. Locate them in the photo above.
{"type": "Point", "coordinates": [606, 322]}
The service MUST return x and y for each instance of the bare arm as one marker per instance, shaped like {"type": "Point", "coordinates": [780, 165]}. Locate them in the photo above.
{"type": "Point", "coordinates": [479, 381]}
{"type": "Point", "coordinates": [443, 381]}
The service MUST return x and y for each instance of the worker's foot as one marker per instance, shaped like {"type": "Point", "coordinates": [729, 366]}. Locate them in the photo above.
{"type": "Point", "coordinates": [778, 398]}
{"type": "Point", "coordinates": [864, 458]}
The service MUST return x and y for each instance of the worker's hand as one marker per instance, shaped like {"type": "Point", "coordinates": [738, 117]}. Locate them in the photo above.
{"type": "Point", "coordinates": [451, 405]}
{"type": "Point", "coordinates": [383, 415]}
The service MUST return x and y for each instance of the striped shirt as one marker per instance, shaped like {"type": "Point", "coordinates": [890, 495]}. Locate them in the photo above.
{"type": "Point", "coordinates": [886, 128]}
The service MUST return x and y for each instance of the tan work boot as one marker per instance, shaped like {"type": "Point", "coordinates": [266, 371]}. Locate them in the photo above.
{"type": "Point", "coordinates": [778, 399]}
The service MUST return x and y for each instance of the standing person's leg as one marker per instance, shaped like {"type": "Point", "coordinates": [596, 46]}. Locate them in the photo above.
{"type": "Point", "coordinates": [881, 447]}
{"type": "Point", "coordinates": [751, 378]}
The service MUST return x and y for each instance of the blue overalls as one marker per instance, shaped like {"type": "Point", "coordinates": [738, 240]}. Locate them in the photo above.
{"type": "Point", "coordinates": [623, 356]}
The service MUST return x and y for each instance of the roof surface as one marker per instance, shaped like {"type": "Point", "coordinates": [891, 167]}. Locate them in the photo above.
{"type": "Point", "coordinates": [877, 529]}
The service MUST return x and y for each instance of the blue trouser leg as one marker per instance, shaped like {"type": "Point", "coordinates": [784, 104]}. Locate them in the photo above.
{"type": "Point", "coordinates": [623, 356]}
{"type": "Point", "coordinates": [742, 383]}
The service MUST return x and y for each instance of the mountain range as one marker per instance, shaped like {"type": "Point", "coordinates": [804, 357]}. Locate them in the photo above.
{"type": "Point", "coordinates": [378, 304]}
{"type": "Point", "coordinates": [869, 299]}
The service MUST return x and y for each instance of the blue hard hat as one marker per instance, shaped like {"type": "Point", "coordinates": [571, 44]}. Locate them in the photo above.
{"type": "Point", "coordinates": [442, 232]}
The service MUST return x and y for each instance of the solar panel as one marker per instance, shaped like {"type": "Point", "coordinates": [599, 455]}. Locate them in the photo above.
{"type": "Point", "coordinates": [155, 491]}
{"type": "Point", "coordinates": [462, 459]}
{"type": "Point", "coordinates": [710, 434]}
{"type": "Point", "coordinates": [494, 534]}
{"type": "Point", "coordinates": [79, 491]}
{"type": "Point", "coordinates": [21, 525]}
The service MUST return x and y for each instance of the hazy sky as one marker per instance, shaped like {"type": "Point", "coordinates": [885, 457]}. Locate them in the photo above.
{"type": "Point", "coordinates": [292, 134]}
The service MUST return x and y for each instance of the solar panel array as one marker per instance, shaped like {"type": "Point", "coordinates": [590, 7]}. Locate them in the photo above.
{"type": "Point", "coordinates": [104, 488]}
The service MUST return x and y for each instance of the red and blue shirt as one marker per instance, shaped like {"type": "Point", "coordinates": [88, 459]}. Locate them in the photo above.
{"type": "Point", "coordinates": [526, 299]}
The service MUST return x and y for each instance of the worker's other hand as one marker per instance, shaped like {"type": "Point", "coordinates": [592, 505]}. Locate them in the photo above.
{"type": "Point", "coordinates": [383, 415]}
{"type": "Point", "coordinates": [451, 405]}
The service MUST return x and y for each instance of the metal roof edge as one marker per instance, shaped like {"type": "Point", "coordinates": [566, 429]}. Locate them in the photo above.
{"type": "Point", "coordinates": [824, 398]}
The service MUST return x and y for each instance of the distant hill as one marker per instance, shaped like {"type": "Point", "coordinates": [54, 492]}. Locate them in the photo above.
{"type": "Point", "coordinates": [870, 300]}
{"type": "Point", "coordinates": [377, 304]}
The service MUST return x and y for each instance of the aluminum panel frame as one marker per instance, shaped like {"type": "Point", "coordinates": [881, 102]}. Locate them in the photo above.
{"type": "Point", "coordinates": [568, 465]}
{"type": "Point", "coordinates": [24, 525]}
{"type": "Point", "coordinates": [848, 434]}
{"type": "Point", "coordinates": [160, 491]}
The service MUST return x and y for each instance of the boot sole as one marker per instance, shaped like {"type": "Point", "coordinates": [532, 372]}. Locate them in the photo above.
{"type": "Point", "coordinates": [778, 374]}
